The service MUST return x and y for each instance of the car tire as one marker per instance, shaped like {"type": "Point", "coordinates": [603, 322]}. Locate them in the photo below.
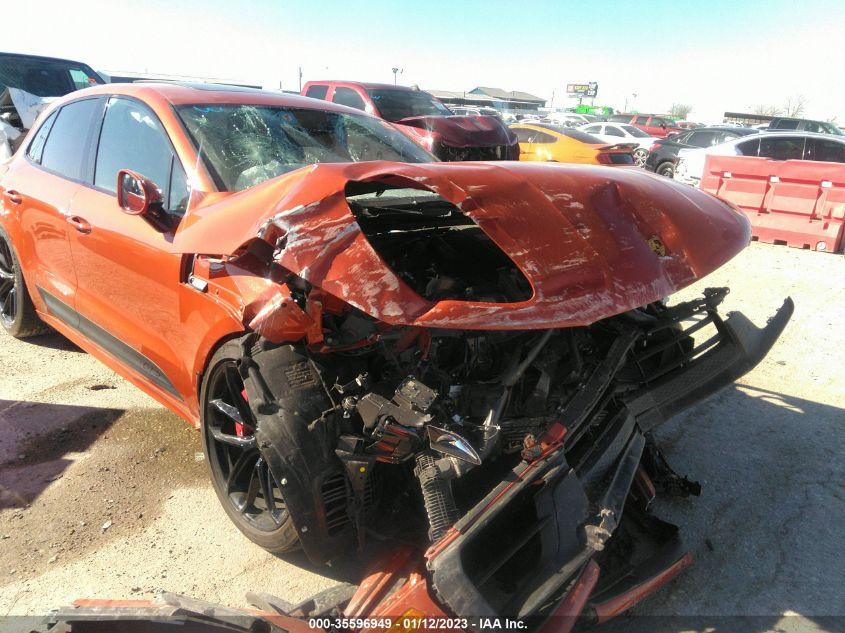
{"type": "Point", "coordinates": [666, 169]}
{"type": "Point", "coordinates": [276, 534]}
{"type": "Point", "coordinates": [640, 156]}
{"type": "Point", "coordinates": [17, 312]}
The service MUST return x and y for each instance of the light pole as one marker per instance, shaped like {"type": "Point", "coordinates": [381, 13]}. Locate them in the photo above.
{"type": "Point", "coordinates": [634, 95]}
{"type": "Point", "coordinates": [396, 71]}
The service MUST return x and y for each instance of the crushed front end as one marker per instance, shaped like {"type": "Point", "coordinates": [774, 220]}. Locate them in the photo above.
{"type": "Point", "coordinates": [470, 359]}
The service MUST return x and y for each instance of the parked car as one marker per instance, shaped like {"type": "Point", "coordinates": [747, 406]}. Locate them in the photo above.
{"type": "Point", "coordinates": [615, 132]}
{"type": "Point", "coordinates": [804, 125]}
{"type": "Point", "coordinates": [649, 123]}
{"type": "Point", "coordinates": [424, 119]}
{"type": "Point", "coordinates": [567, 119]}
{"type": "Point", "coordinates": [547, 142]}
{"type": "Point", "coordinates": [773, 145]}
{"type": "Point", "coordinates": [27, 84]}
{"type": "Point", "coordinates": [475, 111]}
{"type": "Point", "coordinates": [664, 152]}
{"type": "Point", "coordinates": [370, 345]}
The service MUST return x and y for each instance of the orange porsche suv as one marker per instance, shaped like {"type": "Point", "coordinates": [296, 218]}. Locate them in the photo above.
{"type": "Point", "coordinates": [462, 355]}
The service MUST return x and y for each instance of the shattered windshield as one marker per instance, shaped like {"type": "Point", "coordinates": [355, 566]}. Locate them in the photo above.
{"type": "Point", "coordinates": [45, 77]}
{"type": "Point", "coordinates": [244, 145]}
{"type": "Point", "coordinates": [395, 105]}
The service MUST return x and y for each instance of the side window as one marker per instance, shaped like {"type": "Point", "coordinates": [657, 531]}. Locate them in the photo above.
{"type": "Point", "coordinates": [36, 147]}
{"type": "Point", "coordinates": [541, 137]}
{"type": "Point", "coordinates": [348, 97]}
{"type": "Point", "coordinates": [66, 149]}
{"type": "Point", "coordinates": [81, 79]}
{"type": "Point", "coordinates": [641, 120]}
{"type": "Point", "coordinates": [595, 129]}
{"type": "Point", "coordinates": [523, 135]}
{"type": "Point", "coordinates": [748, 148]}
{"type": "Point", "coordinates": [825, 150]}
{"type": "Point", "coordinates": [703, 139]}
{"type": "Point", "coordinates": [782, 148]}
{"type": "Point", "coordinates": [317, 92]}
{"type": "Point", "coordinates": [812, 126]}
{"type": "Point", "coordinates": [612, 130]}
{"type": "Point", "coordinates": [132, 138]}
{"type": "Point", "coordinates": [682, 138]}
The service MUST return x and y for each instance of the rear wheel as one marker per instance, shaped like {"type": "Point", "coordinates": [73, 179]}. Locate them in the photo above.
{"type": "Point", "coordinates": [666, 169]}
{"type": "Point", "coordinates": [639, 156]}
{"type": "Point", "coordinates": [17, 313]}
{"type": "Point", "coordinates": [249, 491]}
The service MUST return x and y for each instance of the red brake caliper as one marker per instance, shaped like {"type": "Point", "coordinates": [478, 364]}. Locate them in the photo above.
{"type": "Point", "coordinates": [241, 429]}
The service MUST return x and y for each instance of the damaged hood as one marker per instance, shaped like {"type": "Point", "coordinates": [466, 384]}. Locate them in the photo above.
{"type": "Point", "coordinates": [462, 131]}
{"type": "Point", "coordinates": [592, 241]}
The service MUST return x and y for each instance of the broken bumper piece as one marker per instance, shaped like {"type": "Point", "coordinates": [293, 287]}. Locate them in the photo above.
{"type": "Point", "coordinates": [569, 533]}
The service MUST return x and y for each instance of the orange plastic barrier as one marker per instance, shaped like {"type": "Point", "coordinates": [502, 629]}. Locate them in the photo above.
{"type": "Point", "coordinates": [796, 202]}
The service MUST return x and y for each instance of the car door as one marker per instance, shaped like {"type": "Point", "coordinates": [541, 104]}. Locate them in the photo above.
{"type": "Point", "coordinates": [40, 188]}
{"type": "Point", "coordinates": [128, 297]}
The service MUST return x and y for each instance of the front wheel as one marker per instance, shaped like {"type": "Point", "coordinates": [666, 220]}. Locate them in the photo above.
{"type": "Point", "coordinates": [666, 169]}
{"type": "Point", "coordinates": [246, 486]}
{"type": "Point", "coordinates": [640, 156]}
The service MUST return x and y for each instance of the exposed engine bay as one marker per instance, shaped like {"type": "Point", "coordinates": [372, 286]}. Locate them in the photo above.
{"type": "Point", "coordinates": [513, 455]}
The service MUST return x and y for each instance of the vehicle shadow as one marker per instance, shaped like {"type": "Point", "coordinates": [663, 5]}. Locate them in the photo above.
{"type": "Point", "coordinates": [35, 439]}
{"type": "Point", "coordinates": [54, 340]}
{"type": "Point", "coordinates": [766, 532]}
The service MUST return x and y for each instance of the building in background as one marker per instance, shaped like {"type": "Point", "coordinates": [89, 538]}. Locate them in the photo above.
{"type": "Point", "coordinates": [515, 101]}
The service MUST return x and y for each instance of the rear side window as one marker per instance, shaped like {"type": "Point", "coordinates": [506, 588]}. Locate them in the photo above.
{"type": "Point", "coordinates": [825, 150]}
{"type": "Point", "coordinates": [683, 137]}
{"type": "Point", "coordinates": [782, 148]}
{"type": "Point", "coordinates": [36, 147]}
{"type": "Point", "coordinates": [317, 92]}
{"type": "Point", "coordinates": [66, 149]}
{"type": "Point", "coordinates": [348, 97]}
{"type": "Point", "coordinates": [703, 139]}
{"type": "Point", "coordinates": [132, 138]}
{"type": "Point", "coordinates": [641, 120]}
{"type": "Point", "coordinates": [785, 124]}
{"type": "Point", "coordinates": [612, 130]}
{"type": "Point", "coordinates": [748, 148]}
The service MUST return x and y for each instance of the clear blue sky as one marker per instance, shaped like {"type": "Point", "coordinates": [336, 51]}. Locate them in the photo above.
{"type": "Point", "coordinates": [718, 55]}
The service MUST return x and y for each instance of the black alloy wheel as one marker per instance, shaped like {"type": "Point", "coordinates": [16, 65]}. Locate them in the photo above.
{"type": "Point", "coordinates": [244, 482]}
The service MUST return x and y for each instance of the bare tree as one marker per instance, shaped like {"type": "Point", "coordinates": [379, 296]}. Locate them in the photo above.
{"type": "Point", "coordinates": [767, 110]}
{"type": "Point", "coordinates": [795, 106]}
{"type": "Point", "coordinates": [680, 110]}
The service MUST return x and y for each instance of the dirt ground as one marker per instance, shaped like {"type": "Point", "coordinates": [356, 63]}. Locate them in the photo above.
{"type": "Point", "coordinates": [103, 493]}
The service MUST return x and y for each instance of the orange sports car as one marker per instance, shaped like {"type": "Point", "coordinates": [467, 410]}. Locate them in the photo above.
{"type": "Point", "coordinates": [548, 142]}
{"type": "Point", "coordinates": [466, 356]}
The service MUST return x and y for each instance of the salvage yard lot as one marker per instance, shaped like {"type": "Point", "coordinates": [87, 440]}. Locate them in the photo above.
{"type": "Point", "coordinates": [103, 493]}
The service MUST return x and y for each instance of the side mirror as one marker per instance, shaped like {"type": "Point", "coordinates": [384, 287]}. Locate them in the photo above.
{"type": "Point", "coordinates": [136, 195]}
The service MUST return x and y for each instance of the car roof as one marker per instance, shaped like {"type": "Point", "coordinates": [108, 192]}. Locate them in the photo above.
{"type": "Point", "coordinates": [364, 84]}
{"type": "Point", "coordinates": [785, 133]}
{"type": "Point", "coordinates": [178, 93]}
{"type": "Point", "coordinates": [42, 58]}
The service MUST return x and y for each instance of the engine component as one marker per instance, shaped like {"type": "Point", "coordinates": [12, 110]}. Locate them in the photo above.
{"type": "Point", "coordinates": [437, 494]}
{"type": "Point", "coordinates": [452, 444]}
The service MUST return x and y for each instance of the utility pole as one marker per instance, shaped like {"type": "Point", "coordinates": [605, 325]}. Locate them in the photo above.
{"type": "Point", "coordinates": [300, 79]}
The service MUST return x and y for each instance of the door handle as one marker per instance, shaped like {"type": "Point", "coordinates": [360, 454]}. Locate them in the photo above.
{"type": "Point", "coordinates": [13, 196]}
{"type": "Point", "coordinates": [80, 224]}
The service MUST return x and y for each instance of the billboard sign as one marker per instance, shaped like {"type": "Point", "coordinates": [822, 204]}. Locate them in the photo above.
{"type": "Point", "coordinates": [582, 90]}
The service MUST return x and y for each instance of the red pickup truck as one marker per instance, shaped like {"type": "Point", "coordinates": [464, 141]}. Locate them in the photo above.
{"type": "Point", "coordinates": [424, 119]}
{"type": "Point", "coordinates": [649, 123]}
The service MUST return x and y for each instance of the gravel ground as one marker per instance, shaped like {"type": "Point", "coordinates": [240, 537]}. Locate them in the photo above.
{"type": "Point", "coordinates": [103, 493]}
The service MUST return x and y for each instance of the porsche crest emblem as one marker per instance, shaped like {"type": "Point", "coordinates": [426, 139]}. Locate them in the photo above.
{"type": "Point", "coordinates": [657, 246]}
